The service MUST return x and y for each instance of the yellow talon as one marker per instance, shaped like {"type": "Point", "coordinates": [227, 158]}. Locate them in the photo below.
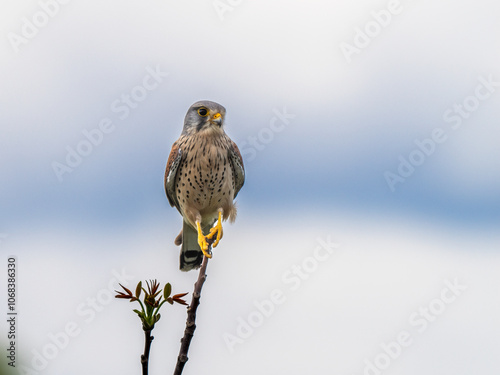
{"type": "Point", "coordinates": [202, 241]}
{"type": "Point", "coordinates": [217, 229]}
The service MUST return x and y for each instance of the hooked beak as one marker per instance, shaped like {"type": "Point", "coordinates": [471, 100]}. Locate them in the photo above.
{"type": "Point", "coordinates": [216, 119]}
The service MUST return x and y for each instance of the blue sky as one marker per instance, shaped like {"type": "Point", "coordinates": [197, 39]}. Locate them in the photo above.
{"type": "Point", "coordinates": [392, 150]}
{"type": "Point", "coordinates": [352, 120]}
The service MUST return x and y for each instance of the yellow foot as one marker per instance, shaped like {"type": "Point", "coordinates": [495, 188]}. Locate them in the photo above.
{"type": "Point", "coordinates": [202, 241]}
{"type": "Point", "coordinates": [217, 229]}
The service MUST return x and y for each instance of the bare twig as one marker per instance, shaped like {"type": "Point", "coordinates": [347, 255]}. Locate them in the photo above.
{"type": "Point", "coordinates": [147, 347]}
{"type": "Point", "coordinates": [191, 319]}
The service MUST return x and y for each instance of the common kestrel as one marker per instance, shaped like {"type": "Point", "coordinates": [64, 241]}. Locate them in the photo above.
{"type": "Point", "coordinates": [204, 174]}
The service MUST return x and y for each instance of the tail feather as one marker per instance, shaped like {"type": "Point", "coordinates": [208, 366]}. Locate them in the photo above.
{"type": "Point", "coordinates": [191, 255]}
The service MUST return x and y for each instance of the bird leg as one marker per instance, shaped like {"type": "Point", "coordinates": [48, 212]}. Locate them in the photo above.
{"type": "Point", "coordinates": [202, 241]}
{"type": "Point", "coordinates": [216, 229]}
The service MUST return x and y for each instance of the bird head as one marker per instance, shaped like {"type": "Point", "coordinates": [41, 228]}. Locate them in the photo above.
{"type": "Point", "coordinates": [204, 116]}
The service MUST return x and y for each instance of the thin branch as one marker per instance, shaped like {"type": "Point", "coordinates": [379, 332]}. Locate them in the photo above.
{"type": "Point", "coordinates": [147, 347]}
{"type": "Point", "coordinates": [191, 319]}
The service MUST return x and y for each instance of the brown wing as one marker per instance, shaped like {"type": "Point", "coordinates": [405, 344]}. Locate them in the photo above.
{"type": "Point", "coordinates": [237, 167]}
{"type": "Point", "coordinates": [170, 173]}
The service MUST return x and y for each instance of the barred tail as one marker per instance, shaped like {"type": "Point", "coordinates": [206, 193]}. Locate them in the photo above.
{"type": "Point", "coordinates": [191, 255]}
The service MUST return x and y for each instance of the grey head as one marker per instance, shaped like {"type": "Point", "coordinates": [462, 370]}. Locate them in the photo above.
{"type": "Point", "coordinates": [204, 116]}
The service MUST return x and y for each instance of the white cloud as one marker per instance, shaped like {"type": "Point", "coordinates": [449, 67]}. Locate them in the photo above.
{"type": "Point", "coordinates": [350, 303]}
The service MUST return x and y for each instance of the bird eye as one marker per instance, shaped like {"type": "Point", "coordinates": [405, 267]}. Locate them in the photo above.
{"type": "Point", "coordinates": [203, 112]}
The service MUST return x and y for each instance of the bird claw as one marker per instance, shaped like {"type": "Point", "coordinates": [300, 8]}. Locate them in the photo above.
{"type": "Point", "coordinates": [202, 241]}
{"type": "Point", "coordinates": [206, 241]}
{"type": "Point", "coordinates": [217, 229]}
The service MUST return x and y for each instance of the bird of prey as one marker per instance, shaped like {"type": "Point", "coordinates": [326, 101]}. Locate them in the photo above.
{"type": "Point", "coordinates": [203, 176]}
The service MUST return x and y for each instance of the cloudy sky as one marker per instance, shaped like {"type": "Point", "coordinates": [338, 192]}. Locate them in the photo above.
{"type": "Point", "coordinates": [371, 125]}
